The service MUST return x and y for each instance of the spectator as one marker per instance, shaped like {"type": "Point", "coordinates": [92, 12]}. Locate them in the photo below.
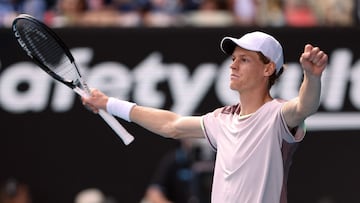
{"type": "Point", "coordinates": [129, 11]}
{"type": "Point", "coordinates": [9, 9]}
{"type": "Point", "coordinates": [210, 13]}
{"type": "Point", "coordinates": [336, 12]}
{"type": "Point", "coordinates": [161, 13]}
{"type": "Point", "coordinates": [270, 13]}
{"type": "Point", "coordinates": [13, 191]}
{"type": "Point", "coordinates": [66, 13]}
{"type": "Point", "coordinates": [179, 177]}
{"type": "Point", "coordinates": [99, 13]}
{"type": "Point", "coordinates": [299, 13]}
{"type": "Point", "coordinates": [245, 11]}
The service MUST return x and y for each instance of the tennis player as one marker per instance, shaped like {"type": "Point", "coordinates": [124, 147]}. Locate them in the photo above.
{"type": "Point", "coordinates": [254, 139]}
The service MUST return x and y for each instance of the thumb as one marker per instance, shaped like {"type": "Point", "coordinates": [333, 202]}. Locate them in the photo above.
{"type": "Point", "coordinates": [307, 52]}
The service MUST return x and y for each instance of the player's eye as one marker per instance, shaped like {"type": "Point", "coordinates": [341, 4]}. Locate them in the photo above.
{"type": "Point", "coordinates": [244, 59]}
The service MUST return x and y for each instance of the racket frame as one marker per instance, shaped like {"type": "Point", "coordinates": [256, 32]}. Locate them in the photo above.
{"type": "Point", "coordinates": [79, 86]}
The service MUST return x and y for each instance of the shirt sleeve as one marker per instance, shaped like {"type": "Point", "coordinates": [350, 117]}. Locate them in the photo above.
{"type": "Point", "coordinates": [292, 137]}
{"type": "Point", "coordinates": [208, 123]}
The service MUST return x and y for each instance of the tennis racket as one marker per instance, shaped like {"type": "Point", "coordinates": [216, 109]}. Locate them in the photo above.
{"type": "Point", "coordinates": [51, 54]}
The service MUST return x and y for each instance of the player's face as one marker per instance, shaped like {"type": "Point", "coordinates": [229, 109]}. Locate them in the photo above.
{"type": "Point", "coordinates": [247, 70]}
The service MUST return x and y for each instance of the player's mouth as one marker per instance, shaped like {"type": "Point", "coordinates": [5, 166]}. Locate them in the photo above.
{"type": "Point", "coordinates": [234, 76]}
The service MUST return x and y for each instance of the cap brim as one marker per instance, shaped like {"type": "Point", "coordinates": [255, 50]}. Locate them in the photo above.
{"type": "Point", "coordinates": [228, 45]}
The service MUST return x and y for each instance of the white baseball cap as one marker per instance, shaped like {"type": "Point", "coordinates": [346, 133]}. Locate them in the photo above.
{"type": "Point", "coordinates": [259, 42]}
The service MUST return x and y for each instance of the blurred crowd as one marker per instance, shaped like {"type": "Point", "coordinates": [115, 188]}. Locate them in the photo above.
{"type": "Point", "coordinates": [181, 13]}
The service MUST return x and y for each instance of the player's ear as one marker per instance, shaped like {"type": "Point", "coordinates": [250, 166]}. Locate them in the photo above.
{"type": "Point", "coordinates": [269, 69]}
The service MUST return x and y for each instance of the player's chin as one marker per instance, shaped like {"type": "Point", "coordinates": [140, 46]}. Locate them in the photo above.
{"type": "Point", "coordinates": [233, 87]}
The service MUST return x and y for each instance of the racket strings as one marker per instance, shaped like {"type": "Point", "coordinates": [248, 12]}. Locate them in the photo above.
{"type": "Point", "coordinates": [67, 71]}
{"type": "Point", "coordinates": [46, 49]}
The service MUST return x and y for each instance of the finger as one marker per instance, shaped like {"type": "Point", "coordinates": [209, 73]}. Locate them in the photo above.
{"type": "Point", "coordinates": [92, 90]}
{"type": "Point", "coordinates": [322, 61]}
{"type": "Point", "coordinates": [316, 55]}
{"type": "Point", "coordinates": [308, 47]}
{"type": "Point", "coordinates": [86, 104]}
{"type": "Point", "coordinates": [91, 108]}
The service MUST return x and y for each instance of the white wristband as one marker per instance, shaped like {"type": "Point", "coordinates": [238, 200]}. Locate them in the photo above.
{"type": "Point", "coordinates": [119, 108]}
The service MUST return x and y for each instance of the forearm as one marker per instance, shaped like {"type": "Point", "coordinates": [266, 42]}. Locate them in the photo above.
{"type": "Point", "coordinates": [158, 121]}
{"type": "Point", "coordinates": [296, 110]}
{"type": "Point", "coordinates": [162, 122]}
{"type": "Point", "coordinates": [313, 61]}
{"type": "Point", "coordinates": [309, 95]}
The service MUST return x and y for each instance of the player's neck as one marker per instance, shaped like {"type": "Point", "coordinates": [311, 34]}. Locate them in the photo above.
{"type": "Point", "coordinates": [252, 102]}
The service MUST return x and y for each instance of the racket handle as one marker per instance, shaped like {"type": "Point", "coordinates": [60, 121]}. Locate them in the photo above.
{"type": "Point", "coordinates": [126, 137]}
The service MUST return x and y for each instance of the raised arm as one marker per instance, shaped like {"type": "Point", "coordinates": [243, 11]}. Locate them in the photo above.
{"type": "Point", "coordinates": [313, 62]}
{"type": "Point", "coordinates": [161, 122]}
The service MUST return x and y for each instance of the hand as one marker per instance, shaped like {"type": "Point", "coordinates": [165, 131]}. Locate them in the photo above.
{"type": "Point", "coordinates": [313, 60]}
{"type": "Point", "coordinates": [97, 100]}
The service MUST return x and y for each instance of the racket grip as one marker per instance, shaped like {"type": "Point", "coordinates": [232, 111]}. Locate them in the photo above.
{"type": "Point", "coordinates": [126, 137]}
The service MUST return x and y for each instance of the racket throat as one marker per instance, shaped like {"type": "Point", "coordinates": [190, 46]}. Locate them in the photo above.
{"type": "Point", "coordinates": [79, 83]}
